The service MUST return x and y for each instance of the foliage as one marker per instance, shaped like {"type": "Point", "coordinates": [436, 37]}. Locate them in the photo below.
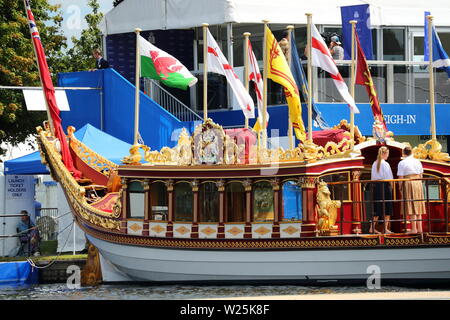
{"type": "Point", "coordinates": [80, 56]}
{"type": "Point", "coordinates": [18, 66]}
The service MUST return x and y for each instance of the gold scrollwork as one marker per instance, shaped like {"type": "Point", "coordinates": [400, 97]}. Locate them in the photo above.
{"type": "Point", "coordinates": [75, 192]}
{"type": "Point", "coordinates": [430, 150]}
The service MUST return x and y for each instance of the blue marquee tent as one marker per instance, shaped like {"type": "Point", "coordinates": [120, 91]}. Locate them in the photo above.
{"type": "Point", "coordinates": [104, 144]}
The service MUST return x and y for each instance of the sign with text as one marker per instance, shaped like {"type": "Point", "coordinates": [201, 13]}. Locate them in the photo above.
{"type": "Point", "coordinates": [19, 187]}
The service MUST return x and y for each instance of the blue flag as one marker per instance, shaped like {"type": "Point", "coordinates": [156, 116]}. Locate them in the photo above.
{"type": "Point", "coordinates": [360, 13]}
{"type": "Point", "coordinates": [440, 57]}
{"type": "Point", "coordinates": [302, 84]}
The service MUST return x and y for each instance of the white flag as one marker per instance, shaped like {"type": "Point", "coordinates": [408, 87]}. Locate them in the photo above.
{"type": "Point", "coordinates": [218, 63]}
{"type": "Point", "coordinates": [255, 76]}
{"type": "Point", "coordinates": [321, 57]}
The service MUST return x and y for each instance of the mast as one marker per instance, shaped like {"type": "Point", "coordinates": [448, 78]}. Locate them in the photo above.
{"type": "Point", "coordinates": [309, 54]}
{"type": "Point", "coordinates": [353, 80]}
{"type": "Point", "coordinates": [265, 73]}
{"type": "Point", "coordinates": [49, 117]}
{"type": "Point", "coordinates": [289, 59]}
{"type": "Point", "coordinates": [137, 83]}
{"type": "Point", "coordinates": [205, 72]}
{"type": "Point", "coordinates": [431, 76]}
{"type": "Point", "coordinates": [246, 63]}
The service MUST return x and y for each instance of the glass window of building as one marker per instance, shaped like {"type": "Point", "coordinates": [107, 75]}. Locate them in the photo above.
{"type": "Point", "coordinates": [137, 199]}
{"type": "Point", "coordinates": [209, 202]}
{"type": "Point", "coordinates": [159, 202]}
{"type": "Point", "coordinates": [263, 208]}
{"type": "Point", "coordinates": [235, 202]}
{"type": "Point", "coordinates": [184, 202]}
{"type": "Point", "coordinates": [292, 201]}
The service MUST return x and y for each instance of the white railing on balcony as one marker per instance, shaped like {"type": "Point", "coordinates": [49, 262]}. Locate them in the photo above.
{"type": "Point", "coordinates": [166, 100]}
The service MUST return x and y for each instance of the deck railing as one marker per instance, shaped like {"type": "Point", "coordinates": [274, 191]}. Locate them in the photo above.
{"type": "Point", "coordinates": [435, 197]}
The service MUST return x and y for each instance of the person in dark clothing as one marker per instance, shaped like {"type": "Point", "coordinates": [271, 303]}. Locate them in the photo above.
{"type": "Point", "coordinates": [28, 236]}
{"type": "Point", "coordinates": [100, 62]}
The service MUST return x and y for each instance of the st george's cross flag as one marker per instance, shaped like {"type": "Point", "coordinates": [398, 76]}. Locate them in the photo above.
{"type": "Point", "coordinates": [218, 63]}
{"type": "Point", "coordinates": [255, 76]}
{"type": "Point", "coordinates": [49, 93]}
{"type": "Point", "coordinates": [159, 65]}
{"type": "Point", "coordinates": [321, 57]}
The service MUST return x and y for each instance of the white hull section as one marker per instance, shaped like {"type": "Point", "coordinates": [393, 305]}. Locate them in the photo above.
{"type": "Point", "coordinates": [160, 264]}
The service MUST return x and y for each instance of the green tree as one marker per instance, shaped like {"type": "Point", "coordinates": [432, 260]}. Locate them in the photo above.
{"type": "Point", "coordinates": [80, 55]}
{"type": "Point", "coordinates": [18, 63]}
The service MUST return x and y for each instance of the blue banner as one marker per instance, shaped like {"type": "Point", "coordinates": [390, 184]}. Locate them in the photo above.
{"type": "Point", "coordinates": [360, 13]}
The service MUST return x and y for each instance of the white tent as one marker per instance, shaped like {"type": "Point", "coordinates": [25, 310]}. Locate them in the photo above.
{"type": "Point", "coordinates": [180, 14]}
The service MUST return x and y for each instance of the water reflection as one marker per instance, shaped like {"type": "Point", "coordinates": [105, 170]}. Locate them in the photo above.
{"type": "Point", "coordinates": [169, 292]}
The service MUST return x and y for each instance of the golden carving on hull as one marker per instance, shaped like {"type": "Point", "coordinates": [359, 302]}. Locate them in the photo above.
{"type": "Point", "coordinates": [235, 231]}
{"type": "Point", "coordinates": [290, 230]}
{"type": "Point", "coordinates": [326, 209]}
{"type": "Point", "coordinates": [135, 156]}
{"type": "Point", "coordinates": [88, 156]}
{"type": "Point", "coordinates": [75, 192]}
{"type": "Point", "coordinates": [262, 231]}
{"type": "Point", "coordinates": [430, 150]}
{"type": "Point", "coordinates": [210, 145]}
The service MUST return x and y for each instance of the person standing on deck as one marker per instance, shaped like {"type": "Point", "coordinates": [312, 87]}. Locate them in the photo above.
{"type": "Point", "coordinates": [381, 170]}
{"type": "Point", "coordinates": [411, 190]}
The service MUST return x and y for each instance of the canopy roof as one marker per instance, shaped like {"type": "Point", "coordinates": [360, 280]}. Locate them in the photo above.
{"type": "Point", "coordinates": [181, 14]}
{"type": "Point", "coordinates": [92, 137]}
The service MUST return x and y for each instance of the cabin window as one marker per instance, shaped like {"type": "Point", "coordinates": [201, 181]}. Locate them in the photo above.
{"type": "Point", "coordinates": [137, 200]}
{"type": "Point", "coordinates": [339, 191]}
{"type": "Point", "coordinates": [235, 202]}
{"type": "Point", "coordinates": [263, 209]}
{"type": "Point", "coordinates": [158, 200]}
{"type": "Point", "coordinates": [209, 202]}
{"type": "Point", "coordinates": [292, 201]}
{"type": "Point", "coordinates": [433, 188]}
{"type": "Point", "coordinates": [184, 202]}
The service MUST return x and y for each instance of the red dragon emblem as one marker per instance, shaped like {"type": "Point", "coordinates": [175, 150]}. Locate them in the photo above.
{"type": "Point", "coordinates": [165, 65]}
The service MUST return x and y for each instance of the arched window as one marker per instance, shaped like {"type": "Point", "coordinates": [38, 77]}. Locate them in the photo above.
{"type": "Point", "coordinates": [137, 199]}
{"type": "Point", "coordinates": [158, 201]}
{"type": "Point", "coordinates": [263, 209]}
{"type": "Point", "coordinates": [209, 202]}
{"type": "Point", "coordinates": [184, 200]}
{"type": "Point", "coordinates": [235, 202]}
{"type": "Point", "coordinates": [292, 201]}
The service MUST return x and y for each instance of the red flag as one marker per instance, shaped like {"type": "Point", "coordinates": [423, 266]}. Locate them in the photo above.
{"type": "Point", "coordinates": [49, 93]}
{"type": "Point", "coordinates": [364, 78]}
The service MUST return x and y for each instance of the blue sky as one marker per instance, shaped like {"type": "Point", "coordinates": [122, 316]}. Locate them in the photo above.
{"type": "Point", "coordinates": [74, 12]}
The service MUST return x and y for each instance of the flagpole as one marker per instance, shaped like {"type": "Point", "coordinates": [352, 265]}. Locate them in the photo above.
{"type": "Point", "coordinates": [352, 80]}
{"type": "Point", "coordinates": [137, 84]}
{"type": "Point", "coordinates": [289, 59]}
{"type": "Point", "coordinates": [205, 71]}
{"type": "Point", "coordinates": [309, 65]}
{"type": "Point", "coordinates": [246, 63]}
{"type": "Point", "coordinates": [265, 73]}
{"type": "Point", "coordinates": [50, 120]}
{"type": "Point", "coordinates": [431, 76]}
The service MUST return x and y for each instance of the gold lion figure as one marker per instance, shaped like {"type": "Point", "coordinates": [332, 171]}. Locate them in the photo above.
{"type": "Point", "coordinates": [326, 209]}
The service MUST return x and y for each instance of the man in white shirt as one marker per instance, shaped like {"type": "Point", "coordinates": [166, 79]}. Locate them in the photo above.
{"type": "Point", "coordinates": [411, 190]}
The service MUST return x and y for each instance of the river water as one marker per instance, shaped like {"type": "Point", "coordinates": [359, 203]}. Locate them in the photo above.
{"type": "Point", "coordinates": [170, 292]}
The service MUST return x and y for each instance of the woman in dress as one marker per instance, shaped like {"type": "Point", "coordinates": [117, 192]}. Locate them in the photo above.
{"type": "Point", "coordinates": [411, 168]}
{"type": "Point", "coordinates": [381, 170]}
